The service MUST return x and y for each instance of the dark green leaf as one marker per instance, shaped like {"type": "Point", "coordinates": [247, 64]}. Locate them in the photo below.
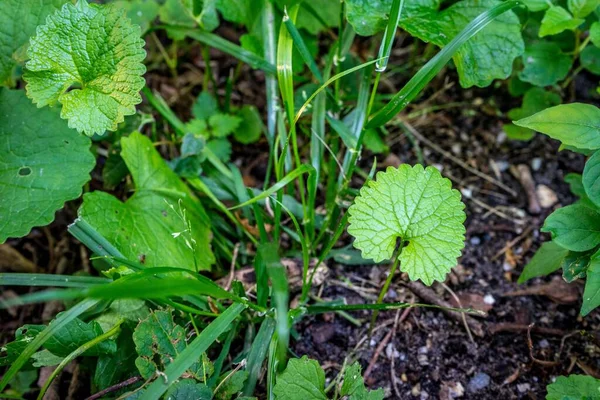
{"type": "Point", "coordinates": [303, 379]}
{"type": "Point", "coordinates": [188, 389]}
{"type": "Point", "coordinates": [575, 265]}
{"type": "Point", "coordinates": [547, 259]}
{"type": "Point", "coordinates": [575, 227]}
{"type": "Point", "coordinates": [591, 178]}
{"type": "Point", "coordinates": [205, 106]}
{"type": "Point", "coordinates": [591, 294]}
{"type": "Point", "coordinates": [590, 59]}
{"type": "Point", "coordinates": [545, 64]}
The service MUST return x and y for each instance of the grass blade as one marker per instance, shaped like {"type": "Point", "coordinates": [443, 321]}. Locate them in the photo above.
{"type": "Point", "coordinates": [20, 279]}
{"type": "Point", "coordinates": [192, 353]}
{"type": "Point", "coordinates": [281, 301]}
{"type": "Point", "coordinates": [60, 321]}
{"type": "Point", "coordinates": [323, 308]}
{"type": "Point", "coordinates": [257, 355]}
{"type": "Point", "coordinates": [388, 36]}
{"type": "Point", "coordinates": [302, 49]}
{"type": "Point", "coordinates": [303, 169]}
{"type": "Point", "coordinates": [429, 70]}
{"type": "Point", "coordinates": [212, 40]}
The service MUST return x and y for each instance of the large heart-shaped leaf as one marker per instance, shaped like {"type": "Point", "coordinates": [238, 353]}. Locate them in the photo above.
{"type": "Point", "coordinates": [43, 163]}
{"type": "Point", "coordinates": [416, 208]}
{"type": "Point", "coordinates": [163, 223]}
{"type": "Point", "coordinates": [97, 53]}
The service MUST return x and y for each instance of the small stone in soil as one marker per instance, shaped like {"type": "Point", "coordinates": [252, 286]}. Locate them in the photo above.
{"type": "Point", "coordinates": [489, 299]}
{"type": "Point", "coordinates": [523, 387]}
{"type": "Point", "coordinates": [475, 241]}
{"type": "Point", "coordinates": [478, 382]}
{"type": "Point", "coordinates": [536, 164]}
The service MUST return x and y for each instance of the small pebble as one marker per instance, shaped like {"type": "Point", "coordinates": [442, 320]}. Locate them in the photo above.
{"type": "Point", "coordinates": [424, 395]}
{"type": "Point", "coordinates": [475, 241]}
{"type": "Point", "coordinates": [478, 382]}
{"type": "Point", "coordinates": [391, 352]}
{"type": "Point", "coordinates": [416, 390]}
{"type": "Point", "coordinates": [423, 360]}
{"type": "Point", "coordinates": [456, 148]}
{"type": "Point", "coordinates": [467, 192]}
{"type": "Point", "coordinates": [546, 196]}
{"type": "Point", "coordinates": [372, 343]}
{"type": "Point", "coordinates": [502, 165]}
{"type": "Point", "coordinates": [423, 350]}
{"type": "Point", "coordinates": [439, 167]}
{"type": "Point", "coordinates": [489, 299]}
{"type": "Point", "coordinates": [544, 344]}
{"type": "Point", "coordinates": [536, 164]}
{"type": "Point", "coordinates": [523, 387]}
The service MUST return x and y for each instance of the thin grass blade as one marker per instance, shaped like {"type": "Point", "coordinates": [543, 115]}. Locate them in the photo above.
{"type": "Point", "coordinates": [388, 36]}
{"type": "Point", "coordinates": [193, 352]}
{"type": "Point", "coordinates": [73, 281]}
{"type": "Point", "coordinates": [429, 70]}
{"type": "Point", "coordinates": [257, 354]}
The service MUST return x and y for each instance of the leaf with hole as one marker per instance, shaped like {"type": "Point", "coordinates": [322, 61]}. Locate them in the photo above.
{"type": "Point", "coordinates": [43, 164]}
{"type": "Point", "coordinates": [417, 209]}
{"type": "Point", "coordinates": [89, 59]}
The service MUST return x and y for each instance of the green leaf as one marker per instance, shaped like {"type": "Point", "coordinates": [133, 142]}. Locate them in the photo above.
{"type": "Point", "coordinates": [488, 55]}
{"type": "Point", "coordinates": [591, 178]}
{"type": "Point", "coordinates": [161, 205]}
{"type": "Point", "coordinates": [556, 20]}
{"type": "Point", "coordinates": [89, 59]}
{"type": "Point", "coordinates": [595, 33]}
{"type": "Point", "coordinates": [205, 106]}
{"type": "Point", "coordinates": [417, 206]}
{"type": "Point", "coordinates": [114, 368]}
{"type": "Point", "coordinates": [303, 379]}
{"type": "Point", "coordinates": [193, 352]}
{"type": "Point", "coordinates": [575, 182]}
{"type": "Point", "coordinates": [18, 21]}
{"type": "Point", "coordinates": [536, 5]}
{"type": "Point", "coordinates": [177, 13]}
{"type": "Point", "coordinates": [545, 64]}
{"type": "Point", "coordinates": [43, 164]}
{"type": "Point", "coordinates": [575, 265]}
{"type": "Point", "coordinates": [239, 11]}
{"type": "Point", "coordinates": [188, 389]}
{"type": "Point", "coordinates": [575, 227]}
{"type": "Point", "coordinates": [251, 126]}
{"type": "Point", "coordinates": [591, 294]}
{"type": "Point", "coordinates": [233, 385]}
{"type": "Point", "coordinates": [535, 100]}
{"type": "Point", "coordinates": [575, 124]}
{"type": "Point", "coordinates": [369, 17]}
{"type": "Point", "coordinates": [158, 341]}
{"type": "Point", "coordinates": [515, 132]}
{"type": "Point", "coordinates": [582, 8]}
{"type": "Point", "coordinates": [45, 358]}
{"type": "Point", "coordinates": [547, 259]}
{"type": "Point", "coordinates": [354, 385]}
{"type": "Point", "coordinates": [140, 12]}
{"type": "Point", "coordinates": [328, 12]}
{"type": "Point", "coordinates": [223, 124]}
{"type": "Point", "coordinates": [590, 59]}
{"type": "Point", "coordinates": [574, 387]}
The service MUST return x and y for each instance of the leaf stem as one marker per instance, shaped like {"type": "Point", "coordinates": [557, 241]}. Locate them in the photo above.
{"type": "Point", "coordinates": [386, 287]}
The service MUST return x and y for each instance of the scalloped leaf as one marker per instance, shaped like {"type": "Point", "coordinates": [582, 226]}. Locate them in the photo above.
{"type": "Point", "coordinates": [88, 58]}
{"type": "Point", "coordinates": [417, 206]}
{"type": "Point", "coordinates": [43, 164]}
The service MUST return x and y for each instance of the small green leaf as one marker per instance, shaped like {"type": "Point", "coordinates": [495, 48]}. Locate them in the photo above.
{"type": "Point", "coordinates": [547, 259]}
{"type": "Point", "coordinates": [223, 124]}
{"type": "Point", "coordinates": [162, 204]}
{"type": "Point", "coordinates": [536, 5]}
{"type": "Point", "coordinates": [188, 389]}
{"type": "Point", "coordinates": [45, 358]}
{"type": "Point", "coordinates": [43, 164]}
{"type": "Point", "coordinates": [535, 100]}
{"type": "Point", "coordinates": [591, 178]}
{"type": "Point", "coordinates": [89, 59]}
{"type": "Point", "coordinates": [205, 106]}
{"type": "Point", "coordinates": [158, 341]}
{"type": "Point", "coordinates": [545, 64]}
{"type": "Point", "coordinates": [140, 12]}
{"type": "Point", "coordinates": [591, 294]}
{"type": "Point", "coordinates": [575, 265]}
{"type": "Point", "coordinates": [233, 385]}
{"type": "Point", "coordinates": [303, 379]}
{"type": "Point", "coordinates": [251, 127]}
{"type": "Point", "coordinates": [177, 13]}
{"type": "Point", "coordinates": [354, 385]}
{"type": "Point", "coordinates": [574, 124]}
{"type": "Point", "coordinates": [515, 132]}
{"type": "Point", "coordinates": [595, 33]}
{"type": "Point", "coordinates": [556, 20]}
{"type": "Point", "coordinates": [18, 21]}
{"type": "Point", "coordinates": [590, 59]}
{"type": "Point", "coordinates": [198, 127]}
{"type": "Point", "coordinates": [114, 368]}
{"type": "Point", "coordinates": [574, 387]}
{"type": "Point", "coordinates": [417, 206]}
{"type": "Point", "coordinates": [575, 182]}
{"type": "Point", "coordinates": [575, 227]}
{"type": "Point", "coordinates": [582, 8]}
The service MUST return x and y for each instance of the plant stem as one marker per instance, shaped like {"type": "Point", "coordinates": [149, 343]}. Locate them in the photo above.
{"type": "Point", "coordinates": [386, 286]}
